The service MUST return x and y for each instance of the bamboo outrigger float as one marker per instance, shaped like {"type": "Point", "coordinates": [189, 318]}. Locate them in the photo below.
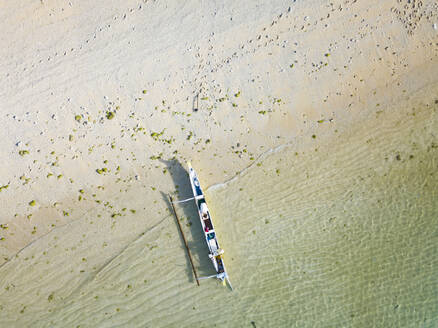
{"type": "Point", "coordinates": [208, 230]}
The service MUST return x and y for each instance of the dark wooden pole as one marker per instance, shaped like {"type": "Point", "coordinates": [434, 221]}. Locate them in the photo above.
{"type": "Point", "coordinates": [185, 241]}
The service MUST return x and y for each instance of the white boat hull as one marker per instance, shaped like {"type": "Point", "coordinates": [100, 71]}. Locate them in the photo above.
{"type": "Point", "coordinates": [208, 228]}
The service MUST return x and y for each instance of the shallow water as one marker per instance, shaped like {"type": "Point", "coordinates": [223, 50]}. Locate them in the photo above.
{"type": "Point", "coordinates": [341, 231]}
{"type": "Point", "coordinates": [341, 235]}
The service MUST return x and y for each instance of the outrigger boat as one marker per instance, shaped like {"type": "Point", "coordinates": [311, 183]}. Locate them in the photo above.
{"type": "Point", "coordinates": [208, 228]}
{"type": "Point", "coordinates": [209, 232]}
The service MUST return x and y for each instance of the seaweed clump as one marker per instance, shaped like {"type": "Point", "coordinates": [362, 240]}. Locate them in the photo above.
{"type": "Point", "coordinates": [102, 170]}
{"type": "Point", "coordinates": [110, 115]}
{"type": "Point", "coordinates": [4, 187]}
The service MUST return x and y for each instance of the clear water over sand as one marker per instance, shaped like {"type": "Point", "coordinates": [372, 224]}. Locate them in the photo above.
{"type": "Point", "coordinates": [342, 236]}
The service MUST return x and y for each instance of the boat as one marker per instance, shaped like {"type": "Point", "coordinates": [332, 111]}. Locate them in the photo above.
{"type": "Point", "coordinates": [216, 253]}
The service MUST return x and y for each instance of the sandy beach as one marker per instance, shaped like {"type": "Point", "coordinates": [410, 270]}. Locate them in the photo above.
{"type": "Point", "coordinates": [313, 129]}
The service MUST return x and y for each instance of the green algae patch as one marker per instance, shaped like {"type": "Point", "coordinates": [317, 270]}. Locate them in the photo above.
{"type": "Point", "coordinates": [102, 170]}
{"type": "Point", "coordinates": [237, 95]}
{"type": "Point", "coordinates": [110, 115]}
{"type": "Point", "coordinates": [4, 187]}
{"type": "Point", "coordinates": [156, 135]}
{"type": "Point", "coordinates": [23, 152]}
{"type": "Point", "coordinates": [32, 203]}
{"type": "Point", "coordinates": [50, 297]}
{"type": "Point", "coordinates": [144, 92]}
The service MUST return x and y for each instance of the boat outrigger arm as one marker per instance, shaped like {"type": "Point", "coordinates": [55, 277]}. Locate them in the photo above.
{"type": "Point", "coordinates": [183, 200]}
{"type": "Point", "coordinates": [209, 232]}
{"type": "Point", "coordinates": [220, 278]}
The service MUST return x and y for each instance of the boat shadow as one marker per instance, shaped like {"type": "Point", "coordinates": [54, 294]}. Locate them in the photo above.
{"type": "Point", "coordinates": [189, 219]}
